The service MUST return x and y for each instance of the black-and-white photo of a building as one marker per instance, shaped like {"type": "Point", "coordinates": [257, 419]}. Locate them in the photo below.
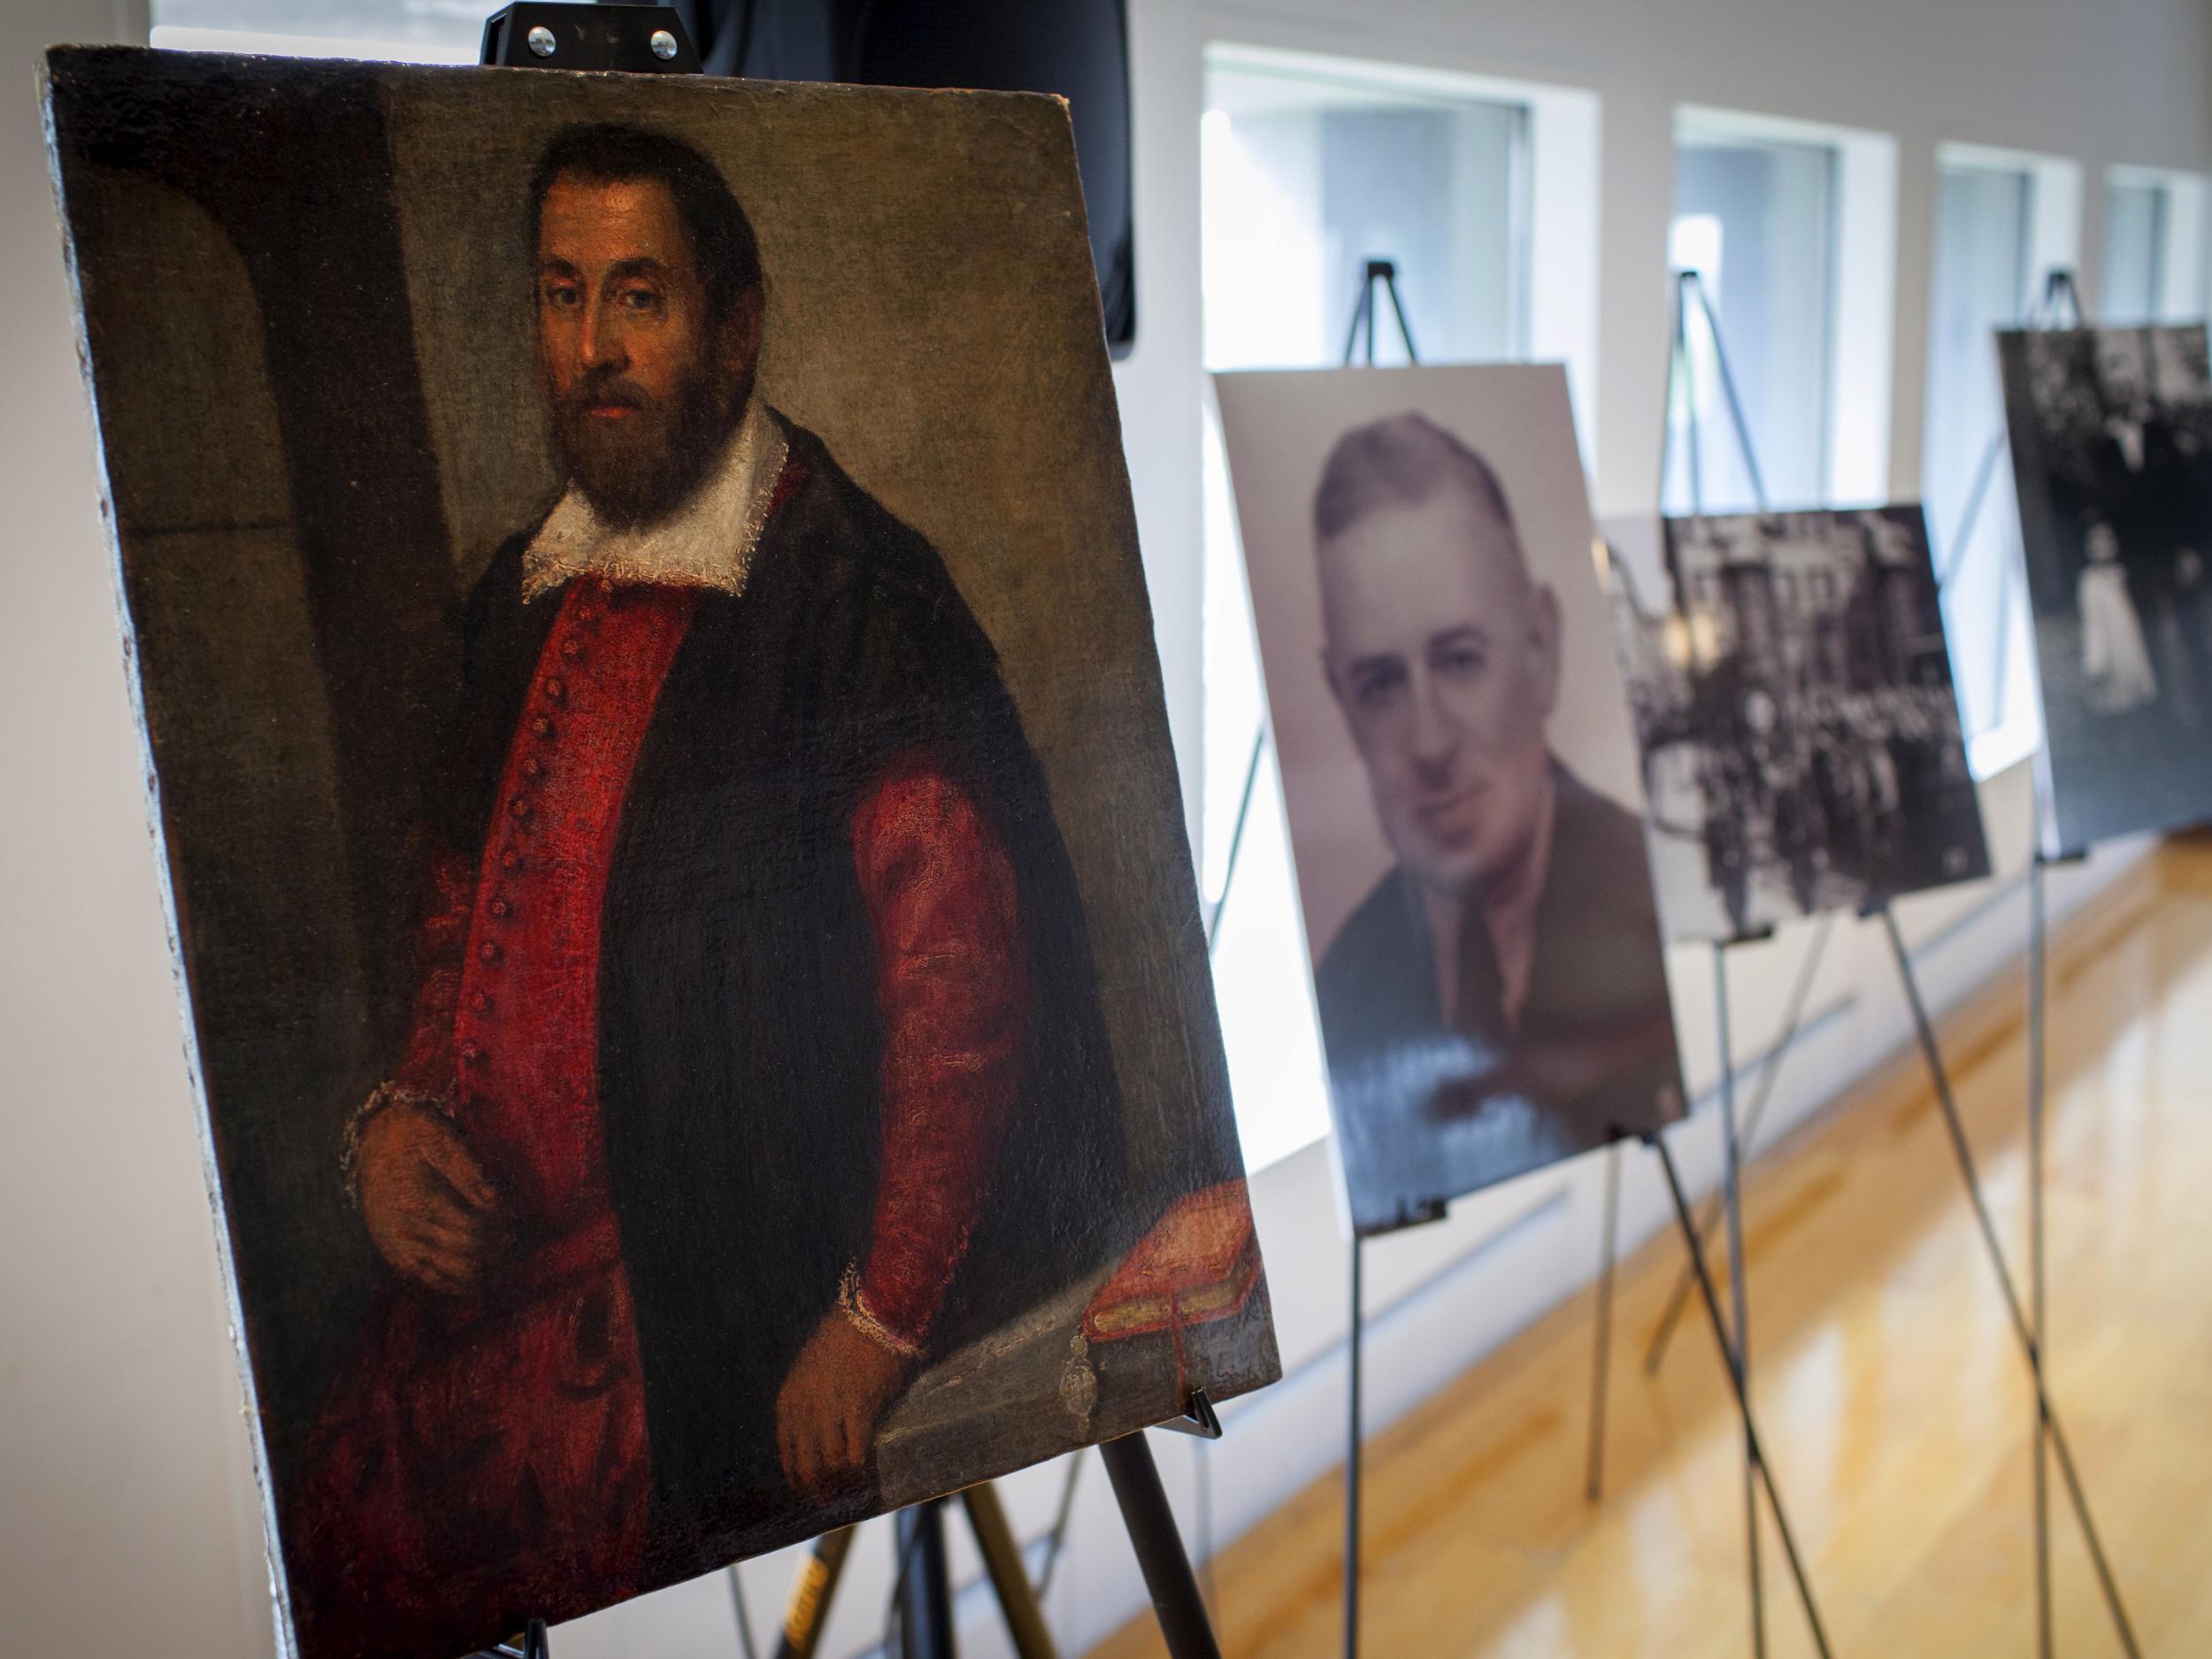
{"type": "Point", "coordinates": [1799, 730]}
{"type": "Point", "coordinates": [2111, 436]}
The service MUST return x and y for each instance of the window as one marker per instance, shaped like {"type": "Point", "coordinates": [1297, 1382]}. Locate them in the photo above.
{"type": "Point", "coordinates": [1756, 221]}
{"type": "Point", "coordinates": [417, 31]}
{"type": "Point", "coordinates": [1308, 173]}
{"type": "Point", "coordinates": [1484, 194]}
{"type": "Point", "coordinates": [2134, 252]}
{"type": "Point", "coordinates": [1791, 229]}
{"type": "Point", "coordinates": [2153, 239]}
{"type": "Point", "coordinates": [2002, 223]}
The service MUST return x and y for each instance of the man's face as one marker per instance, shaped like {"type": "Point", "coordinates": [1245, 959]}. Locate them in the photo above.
{"type": "Point", "coordinates": [641, 384]}
{"type": "Point", "coordinates": [2120, 373]}
{"type": "Point", "coordinates": [1444, 657]}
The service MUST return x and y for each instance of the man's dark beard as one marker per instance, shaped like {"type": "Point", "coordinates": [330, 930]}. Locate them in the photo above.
{"type": "Point", "coordinates": [643, 466]}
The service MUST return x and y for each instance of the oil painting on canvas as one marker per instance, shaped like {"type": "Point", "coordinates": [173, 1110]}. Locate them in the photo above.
{"type": "Point", "coordinates": [676, 862]}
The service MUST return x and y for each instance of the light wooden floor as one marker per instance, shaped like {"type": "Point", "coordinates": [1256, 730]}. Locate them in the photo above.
{"type": "Point", "coordinates": [1892, 1398]}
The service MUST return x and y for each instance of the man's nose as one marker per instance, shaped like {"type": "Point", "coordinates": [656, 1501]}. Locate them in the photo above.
{"type": "Point", "coordinates": [600, 345]}
{"type": "Point", "coordinates": [1431, 735]}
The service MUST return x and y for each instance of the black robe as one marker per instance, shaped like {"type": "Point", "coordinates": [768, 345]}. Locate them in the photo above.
{"type": "Point", "coordinates": [739, 1040]}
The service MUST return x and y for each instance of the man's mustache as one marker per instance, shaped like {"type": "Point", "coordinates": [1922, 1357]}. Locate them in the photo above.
{"type": "Point", "coordinates": [600, 389]}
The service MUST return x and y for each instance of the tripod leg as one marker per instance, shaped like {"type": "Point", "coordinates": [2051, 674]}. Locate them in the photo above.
{"type": "Point", "coordinates": [739, 1615]}
{"type": "Point", "coordinates": [1002, 1560]}
{"type": "Point", "coordinates": [2039, 1326]}
{"type": "Point", "coordinates": [1743, 1399]}
{"type": "Point", "coordinates": [1167, 1574]}
{"type": "Point", "coordinates": [1601, 1344]}
{"type": "Point", "coordinates": [2029, 1348]}
{"type": "Point", "coordinates": [925, 1592]}
{"type": "Point", "coordinates": [806, 1609]}
{"type": "Point", "coordinates": [1731, 1207]}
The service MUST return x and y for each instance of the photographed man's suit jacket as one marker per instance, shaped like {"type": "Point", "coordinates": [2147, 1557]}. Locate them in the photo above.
{"type": "Point", "coordinates": [1424, 1112]}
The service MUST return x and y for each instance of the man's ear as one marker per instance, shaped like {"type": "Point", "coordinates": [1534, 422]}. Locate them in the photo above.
{"type": "Point", "coordinates": [1543, 631]}
{"type": "Point", "coordinates": [740, 334]}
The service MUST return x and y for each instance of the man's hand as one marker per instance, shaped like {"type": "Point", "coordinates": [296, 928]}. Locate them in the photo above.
{"type": "Point", "coordinates": [430, 1211]}
{"type": "Point", "coordinates": [826, 1411]}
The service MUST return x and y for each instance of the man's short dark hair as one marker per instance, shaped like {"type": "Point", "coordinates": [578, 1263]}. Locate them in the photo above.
{"type": "Point", "coordinates": [1400, 462]}
{"type": "Point", "coordinates": [721, 237]}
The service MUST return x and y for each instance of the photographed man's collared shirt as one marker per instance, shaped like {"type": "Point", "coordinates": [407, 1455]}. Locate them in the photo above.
{"type": "Point", "coordinates": [1511, 928]}
{"type": "Point", "coordinates": [707, 542]}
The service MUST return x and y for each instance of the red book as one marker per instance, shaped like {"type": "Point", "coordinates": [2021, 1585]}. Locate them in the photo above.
{"type": "Point", "coordinates": [1199, 1265]}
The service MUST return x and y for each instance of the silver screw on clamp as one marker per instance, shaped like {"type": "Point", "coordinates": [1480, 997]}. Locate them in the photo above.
{"type": "Point", "coordinates": [664, 44]}
{"type": "Point", "coordinates": [541, 43]}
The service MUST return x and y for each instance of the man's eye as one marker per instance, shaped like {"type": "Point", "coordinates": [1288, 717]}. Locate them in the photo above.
{"type": "Point", "coordinates": [642, 300]}
{"type": "Point", "coordinates": [563, 298]}
{"type": "Point", "coordinates": [1373, 690]}
{"type": "Point", "coordinates": [1459, 659]}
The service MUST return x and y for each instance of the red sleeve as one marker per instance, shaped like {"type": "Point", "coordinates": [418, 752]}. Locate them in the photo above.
{"type": "Point", "coordinates": [441, 943]}
{"type": "Point", "coordinates": [953, 982]}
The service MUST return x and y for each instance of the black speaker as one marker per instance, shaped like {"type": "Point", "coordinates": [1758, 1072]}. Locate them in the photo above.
{"type": "Point", "coordinates": [1078, 48]}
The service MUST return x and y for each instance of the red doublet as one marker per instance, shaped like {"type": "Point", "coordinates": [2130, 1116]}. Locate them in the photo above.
{"type": "Point", "coordinates": [500, 1439]}
{"type": "Point", "coordinates": [503, 1434]}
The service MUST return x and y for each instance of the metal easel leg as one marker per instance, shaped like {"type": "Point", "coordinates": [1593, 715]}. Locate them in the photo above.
{"type": "Point", "coordinates": [1734, 1365]}
{"type": "Point", "coordinates": [1732, 1207]}
{"type": "Point", "coordinates": [1167, 1573]}
{"type": "Point", "coordinates": [925, 1591]}
{"type": "Point", "coordinates": [1770, 1069]}
{"type": "Point", "coordinates": [1353, 1426]}
{"type": "Point", "coordinates": [2047, 1418]}
{"type": "Point", "coordinates": [2038, 1325]}
{"type": "Point", "coordinates": [1601, 1344]}
{"type": "Point", "coordinates": [739, 1613]}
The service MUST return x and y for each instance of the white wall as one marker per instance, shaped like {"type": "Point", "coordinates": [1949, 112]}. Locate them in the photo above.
{"type": "Point", "coordinates": [127, 1520]}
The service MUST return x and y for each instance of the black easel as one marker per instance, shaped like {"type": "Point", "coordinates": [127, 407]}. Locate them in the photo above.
{"type": "Point", "coordinates": [2058, 306]}
{"type": "Point", "coordinates": [1738, 1378]}
{"type": "Point", "coordinates": [651, 40]}
{"type": "Point", "coordinates": [1770, 1069]}
{"type": "Point", "coordinates": [1381, 273]}
{"type": "Point", "coordinates": [1686, 1283]}
{"type": "Point", "coordinates": [1689, 290]}
{"type": "Point", "coordinates": [2048, 1431]}
{"type": "Point", "coordinates": [1376, 273]}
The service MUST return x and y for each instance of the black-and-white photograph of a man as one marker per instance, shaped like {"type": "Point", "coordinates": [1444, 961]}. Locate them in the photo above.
{"type": "Point", "coordinates": [1799, 728]}
{"type": "Point", "coordinates": [2111, 436]}
{"type": "Point", "coordinates": [1488, 969]}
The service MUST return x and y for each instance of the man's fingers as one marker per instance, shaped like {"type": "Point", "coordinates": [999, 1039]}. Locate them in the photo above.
{"type": "Point", "coordinates": [459, 1170]}
{"type": "Point", "coordinates": [448, 1230]}
{"type": "Point", "coordinates": [429, 1269]}
{"type": "Point", "coordinates": [441, 1261]}
{"type": "Point", "coordinates": [786, 1448]}
{"type": "Point", "coordinates": [851, 1443]}
{"type": "Point", "coordinates": [806, 1453]}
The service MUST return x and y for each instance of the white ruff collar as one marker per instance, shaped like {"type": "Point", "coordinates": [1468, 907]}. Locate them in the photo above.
{"type": "Point", "coordinates": [707, 542]}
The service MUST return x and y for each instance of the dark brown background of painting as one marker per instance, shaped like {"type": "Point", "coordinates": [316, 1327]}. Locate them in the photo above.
{"type": "Point", "coordinates": [307, 299]}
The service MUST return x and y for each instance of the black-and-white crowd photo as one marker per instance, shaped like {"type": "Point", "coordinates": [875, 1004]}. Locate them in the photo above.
{"type": "Point", "coordinates": [2111, 434]}
{"type": "Point", "coordinates": [1800, 733]}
